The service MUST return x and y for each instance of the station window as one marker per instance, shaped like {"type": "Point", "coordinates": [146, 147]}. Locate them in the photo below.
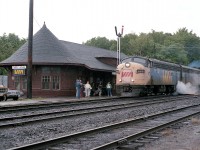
{"type": "Point", "coordinates": [24, 84]}
{"type": "Point", "coordinates": [45, 82]}
{"type": "Point", "coordinates": [17, 82]}
{"type": "Point", "coordinates": [55, 82]}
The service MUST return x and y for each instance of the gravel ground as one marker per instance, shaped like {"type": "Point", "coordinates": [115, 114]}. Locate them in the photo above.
{"type": "Point", "coordinates": [185, 138]}
{"type": "Point", "coordinates": [25, 134]}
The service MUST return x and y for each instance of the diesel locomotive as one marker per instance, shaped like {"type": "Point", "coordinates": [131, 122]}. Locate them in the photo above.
{"type": "Point", "coordinates": [140, 76]}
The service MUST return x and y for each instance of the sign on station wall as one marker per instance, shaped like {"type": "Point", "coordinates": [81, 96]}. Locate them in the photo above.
{"type": "Point", "coordinates": [19, 70]}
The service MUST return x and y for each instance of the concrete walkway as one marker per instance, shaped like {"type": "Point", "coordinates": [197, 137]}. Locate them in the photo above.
{"type": "Point", "coordinates": [25, 101]}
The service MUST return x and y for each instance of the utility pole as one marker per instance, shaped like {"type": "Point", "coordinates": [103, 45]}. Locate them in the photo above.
{"type": "Point", "coordinates": [30, 46]}
{"type": "Point", "coordinates": [119, 35]}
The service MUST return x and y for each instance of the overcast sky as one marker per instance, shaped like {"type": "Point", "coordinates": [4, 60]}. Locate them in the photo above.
{"type": "Point", "coordinates": [80, 20]}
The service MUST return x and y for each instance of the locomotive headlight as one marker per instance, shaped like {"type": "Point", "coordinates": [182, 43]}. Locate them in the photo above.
{"type": "Point", "coordinates": [127, 65]}
{"type": "Point", "coordinates": [120, 80]}
{"type": "Point", "coordinates": [132, 80]}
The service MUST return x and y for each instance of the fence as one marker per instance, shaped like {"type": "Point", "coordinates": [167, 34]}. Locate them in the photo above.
{"type": "Point", "coordinates": [4, 80]}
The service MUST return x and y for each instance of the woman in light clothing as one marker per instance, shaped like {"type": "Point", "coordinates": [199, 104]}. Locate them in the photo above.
{"type": "Point", "coordinates": [87, 89]}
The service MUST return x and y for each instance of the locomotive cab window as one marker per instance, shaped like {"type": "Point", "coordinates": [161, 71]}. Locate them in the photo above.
{"type": "Point", "coordinates": [150, 64]}
{"type": "Point", "coordinates": [140, 61]}
{"type": "Point", "coordinates": [127, 60]}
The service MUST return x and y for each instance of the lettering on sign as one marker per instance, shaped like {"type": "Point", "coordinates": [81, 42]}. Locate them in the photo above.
{"type": "Point", "coordinates": [18, 67]}
{"type": "Point", "coordinates": [19, 72]}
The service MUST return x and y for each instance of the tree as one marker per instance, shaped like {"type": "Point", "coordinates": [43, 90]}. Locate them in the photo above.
{"type": "Point", "coordinates": [174, 53]}
{"type": "Point", "coordinates": [127, 43]}
{"type": "Point", "coordinates": [8, 45]}
{"type": "Point", "coordinates": [180, 47]}
{"type": "Point", "coordinates": [113, 45]}
{"type": "Point", "coordinates": [100, 42]}
{"type": "Point", "coordinates": [190, 42]}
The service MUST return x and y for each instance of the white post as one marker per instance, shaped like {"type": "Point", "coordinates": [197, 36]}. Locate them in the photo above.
{"type": "Point", "coordinates": [119, 35]}
{"type": "Point", "coordinates": [119, 52]}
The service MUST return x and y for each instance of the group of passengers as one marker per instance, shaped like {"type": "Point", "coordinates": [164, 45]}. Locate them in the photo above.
{"type": "Point", "coordinates": [87, 90]}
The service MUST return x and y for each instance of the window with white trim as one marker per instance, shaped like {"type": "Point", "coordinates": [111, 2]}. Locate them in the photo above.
{"type": "Point", "coordinates": [46, 82]}
{"type": "Point", "coordinates": [55, 82]}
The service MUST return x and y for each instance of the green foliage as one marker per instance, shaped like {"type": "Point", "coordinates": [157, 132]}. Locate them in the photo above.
{"type": "Point", "coordinates": [190, 42]}
{"type": "Point", "coordinates": [181, 47]}
{"type": "Point", "coordinates": [174, 53]}
{"type": "Point", "coordinates": [100, 42]}
{"type": "Point", "coordinates": [8, 45]}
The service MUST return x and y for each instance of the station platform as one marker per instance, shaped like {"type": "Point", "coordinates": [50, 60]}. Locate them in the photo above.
{"type": "Point", "coordinates": [25, 101]}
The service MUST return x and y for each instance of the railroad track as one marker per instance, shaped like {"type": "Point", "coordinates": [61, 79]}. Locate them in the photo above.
{"type": "Point", "coordinates": [58, 104]}
{"type": "Point", "coordinates": [51, 106]}
{"type": "Point", "coordinates": [87, 121]}
{"type": "Point", "coordinates": [119, 134]}
{"type": "Point", "coordinates": [31, 118]}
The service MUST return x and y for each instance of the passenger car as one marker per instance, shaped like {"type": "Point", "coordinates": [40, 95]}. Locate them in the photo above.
{"type": "Point", "coordinates": [141, 76]}
{"type": "Point", "coordinates": [14, 94]}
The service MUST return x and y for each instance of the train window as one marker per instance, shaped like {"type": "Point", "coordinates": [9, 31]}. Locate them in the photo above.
{"type": "Point", "coordinates": [140, 60]}
{"type": "Point", "coordinates": [140, 71]}
{"type": "Point", "coordinates": [127, 60]}
{"type": "Point", "coordinates": [150, 64]}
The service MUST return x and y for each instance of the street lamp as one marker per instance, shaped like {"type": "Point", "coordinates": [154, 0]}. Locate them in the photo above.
{"type": "Point", "coordinates": [119, 35]}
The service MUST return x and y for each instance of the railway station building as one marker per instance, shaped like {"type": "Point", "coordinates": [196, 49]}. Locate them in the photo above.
{"type": "Point", "coordinates": [56, 64]}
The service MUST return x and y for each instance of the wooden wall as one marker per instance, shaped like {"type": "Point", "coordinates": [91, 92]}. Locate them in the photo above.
{"type": "Point", "coordinates": [68, 76]}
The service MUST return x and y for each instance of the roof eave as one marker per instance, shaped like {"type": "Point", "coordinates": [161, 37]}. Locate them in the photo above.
{"type": "Point", "coordinates": [55, 64]}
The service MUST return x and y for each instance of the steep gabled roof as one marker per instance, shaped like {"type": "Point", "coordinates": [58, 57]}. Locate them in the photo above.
{"type": "Point", "coordinates": [47, 49]}
{"type": "Point", "coordinates": [45, 45]}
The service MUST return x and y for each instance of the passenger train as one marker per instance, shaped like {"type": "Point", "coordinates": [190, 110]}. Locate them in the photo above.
{"type": "Point", "coordinates": [140, 76]}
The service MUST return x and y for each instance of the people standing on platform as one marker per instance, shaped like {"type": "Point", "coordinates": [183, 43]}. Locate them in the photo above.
{"type": "Point", "coordinates": [109, 89]}
{"type": "Point", "coordinates": [100, 89]}
{"type": "Point", "coordinates": [81, 89]}
{"type": "Point", "coordinates": [87, 89]}
{"type": "Point", "coordinates": [78, 88]}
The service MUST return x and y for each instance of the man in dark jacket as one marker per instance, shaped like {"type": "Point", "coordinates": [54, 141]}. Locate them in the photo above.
{"type": "Point", "coordinates": [78, 88]}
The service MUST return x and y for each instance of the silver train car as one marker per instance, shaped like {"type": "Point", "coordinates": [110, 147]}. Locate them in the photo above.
{"type": "Point", "coordinates": [140, 76]}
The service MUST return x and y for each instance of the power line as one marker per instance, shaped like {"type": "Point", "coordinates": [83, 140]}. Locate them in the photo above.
{"type": "Point", "coordinates": [36, 21]}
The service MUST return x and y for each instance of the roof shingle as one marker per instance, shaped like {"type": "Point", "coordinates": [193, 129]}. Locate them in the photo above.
{"type": "Point", "coordinates": [47, 49]}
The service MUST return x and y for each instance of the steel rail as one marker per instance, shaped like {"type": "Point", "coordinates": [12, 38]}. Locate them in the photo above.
{"type": "Point", "coordinates": [46, 104]}
{"type": "Point", "coordinates": [57, 141]}
{"type": "Point", "coordinates": [76, 113]}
